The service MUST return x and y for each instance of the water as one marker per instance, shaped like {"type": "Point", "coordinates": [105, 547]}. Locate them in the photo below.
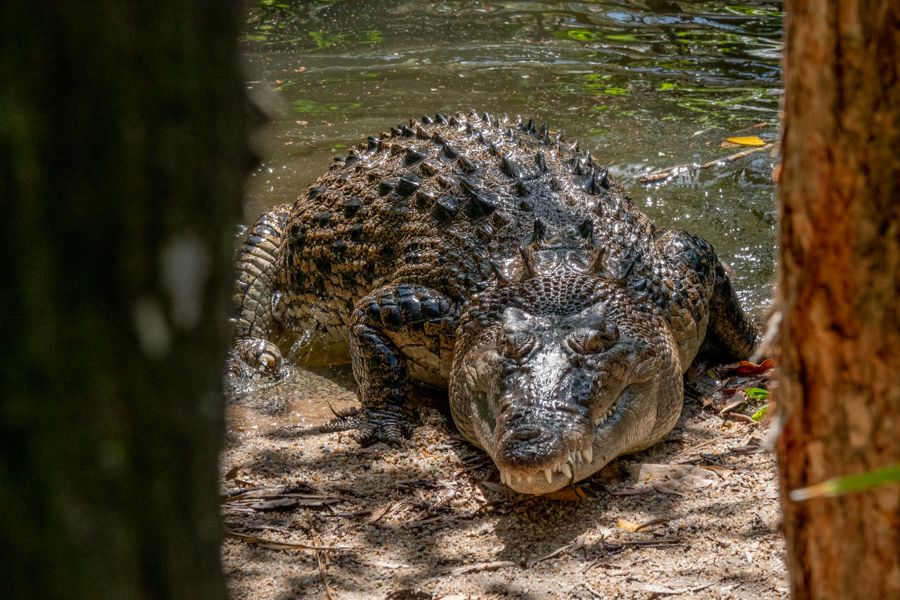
{"type": "Point", "coordinates": [643, 84]}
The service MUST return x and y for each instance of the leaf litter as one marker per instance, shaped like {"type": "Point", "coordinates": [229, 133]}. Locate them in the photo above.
{"type": "Point", "coordinates": [312, 515]}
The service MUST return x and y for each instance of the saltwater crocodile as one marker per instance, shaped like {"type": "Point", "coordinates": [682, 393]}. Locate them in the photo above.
{"type": "Point", "coordinates": [487, 256]}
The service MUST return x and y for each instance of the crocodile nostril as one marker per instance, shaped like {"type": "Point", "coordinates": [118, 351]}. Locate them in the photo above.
{"type": "Point", "coordinates": [525, 434]}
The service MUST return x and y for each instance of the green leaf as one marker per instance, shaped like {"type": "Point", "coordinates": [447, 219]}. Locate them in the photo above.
{"type": "Point", "coordinates": [616, 91]}
{"type": "Point", "coordinates": [622, 37]}
{"type": "Point", "coordinates": [849, 484]}
{"type": "Point", "coordinates": [757, 393]}
{"type": "Point", "coordinates": [666, 86]}
{"type": "Point", "coordinates": [758, 415]}
{"type": "Point", "coordinates": [580, 35]}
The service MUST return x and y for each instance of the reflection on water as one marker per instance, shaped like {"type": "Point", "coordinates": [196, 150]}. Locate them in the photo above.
{"type": "Point", "coordinates": [645, 84]}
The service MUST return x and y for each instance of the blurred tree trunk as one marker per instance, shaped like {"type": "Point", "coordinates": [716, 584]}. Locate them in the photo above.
{"type": "Point", "coordinates": [122, 152]}
{"type": "Point", "coordinates": [839, 292]}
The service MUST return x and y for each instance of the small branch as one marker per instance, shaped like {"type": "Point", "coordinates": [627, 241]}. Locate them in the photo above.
{"type": "Point", "coordinates": [669, 172]}
{"type": "Point", "coordinates": [320, 559]}
{"type": "Point", "coordinates": [276, 545]}
{"type": "Point", "coordinates": [488, 566]}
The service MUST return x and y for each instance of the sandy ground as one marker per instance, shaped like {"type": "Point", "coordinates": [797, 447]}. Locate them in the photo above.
{"type": "Point", "coordinates": [311, 514]}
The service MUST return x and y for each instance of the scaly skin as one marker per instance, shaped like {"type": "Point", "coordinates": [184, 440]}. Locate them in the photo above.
{"type": "Point", "coordinates": [487, 257]}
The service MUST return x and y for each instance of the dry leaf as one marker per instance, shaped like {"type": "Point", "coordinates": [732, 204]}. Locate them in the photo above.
{"type": "Point", "coordinates": [745, 367]}
{"type": "Point", "coordinates": [627, 525]}
{"type": "Point", "coordinates": [674, 478]}
{"type": "Point", "coordinates": [736, 401]}
{"type": "Point", "coordinates": [380, 512]}
{"type": "Point", "coordinates": [750, 140]}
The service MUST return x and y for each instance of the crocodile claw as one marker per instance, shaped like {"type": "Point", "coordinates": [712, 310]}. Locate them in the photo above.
{"type": "Point", "coordinates": [381, 426]}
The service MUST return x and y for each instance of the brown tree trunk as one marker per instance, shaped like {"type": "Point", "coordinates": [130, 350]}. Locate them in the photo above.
{"type": "Point", "coordinates": [839, 292]}
{"type": "Point", "coordinates": [121, 160]}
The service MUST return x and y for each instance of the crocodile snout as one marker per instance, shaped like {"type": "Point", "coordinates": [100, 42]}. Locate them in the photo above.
{"type": "Point", "coordinates": [527, 447]}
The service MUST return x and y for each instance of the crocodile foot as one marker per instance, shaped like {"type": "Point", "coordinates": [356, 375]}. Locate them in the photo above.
{"type": "Point", "coordinates": [382, 426]}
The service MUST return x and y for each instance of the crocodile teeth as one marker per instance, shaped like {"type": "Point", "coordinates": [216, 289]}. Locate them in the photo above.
{"type": "Point", "coordinates": [587, 455]}
{"type": "Point", "coordinates": [507, 478]}
{"type": "Point", "coordinates": [548, 473]}
{"type": "Point", "coordinates": [600, 420]}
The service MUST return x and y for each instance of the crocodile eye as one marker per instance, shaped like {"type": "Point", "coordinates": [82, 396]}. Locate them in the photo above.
{"type": "Point", "coordinates": [593, 341]}
{"type": "Point", "coordinates": [516, 344]}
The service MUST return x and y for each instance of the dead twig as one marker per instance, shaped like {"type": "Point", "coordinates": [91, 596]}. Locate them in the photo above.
{"type": "Point", "coordinates": [651, 523]}
{"type": "Point", "coordinates": [670, 171]}
{"type": "Point", "coordinates": [574, 545]}
{"type": "Point", "coordinates": [668, 541]}
{"type": "Point", "coordinates": [320, 559]}
{"type": "Point", "coordinates": [488, 566]}
{"type": "Point", "coordinates": [663, 590]}
{"type": "Point", "coordinates": [276, 545]}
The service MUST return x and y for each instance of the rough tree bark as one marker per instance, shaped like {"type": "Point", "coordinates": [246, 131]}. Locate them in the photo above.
{"type": "Point", "coordinates": [122, 151]}
{"type": "Point", "coordinates": [839, 292]}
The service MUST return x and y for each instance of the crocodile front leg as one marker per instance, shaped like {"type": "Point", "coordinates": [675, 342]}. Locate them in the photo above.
{"type": "Point", "coordinates": [398, 333]}
{"type": "Point", "coordinates": [706, 292]}
{"type": "Point", "coordinates": [255, 296]}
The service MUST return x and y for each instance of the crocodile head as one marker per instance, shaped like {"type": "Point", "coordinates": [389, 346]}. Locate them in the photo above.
{"type": "Point", "coordinates": [557, 375]}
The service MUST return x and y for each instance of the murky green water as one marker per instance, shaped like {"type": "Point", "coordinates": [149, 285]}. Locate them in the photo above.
{"type": "Point", "coordinates": [644, 84]}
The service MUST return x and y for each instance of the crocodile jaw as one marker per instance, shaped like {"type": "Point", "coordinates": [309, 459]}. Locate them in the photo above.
{"type": "Point", "coordinates": [571, 467]}
{"type": "Point", "coordinates": [599, 447]}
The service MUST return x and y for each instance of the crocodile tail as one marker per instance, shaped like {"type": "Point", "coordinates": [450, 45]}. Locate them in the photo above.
{"type": "Point", "coordinates": [257, 265]}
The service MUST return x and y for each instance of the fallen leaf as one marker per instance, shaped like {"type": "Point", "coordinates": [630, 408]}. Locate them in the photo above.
{"type": "Point", "coordinates": [380, 512]}
{"type": "Point", "coordinates": [628, 526]}
{"type": "Point", "coordinates": [745, 367]}
{"type": "Point", "coordinates": [667, 489]}
{"type": "Point", "coordinates": [722, 472]}
{"type": "Point", "coordinates": [674, 478]}
{"type": "Point", "coordinates": [750, 140]}
{"type": "Point", "coordinates": [734, 403]}
{"type": "Point", "coordinates": [758, 415]}
{"type": "Point", "coordinates": [741, 418]}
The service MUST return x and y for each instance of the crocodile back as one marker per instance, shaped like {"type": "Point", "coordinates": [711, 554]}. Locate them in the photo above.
{"type": "Point", "coordinates": [448, 203]}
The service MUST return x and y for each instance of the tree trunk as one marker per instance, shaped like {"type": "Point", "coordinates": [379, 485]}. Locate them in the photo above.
{"type": "Point", "coordinates": [839, 292]}
{"type": "Point", "coordinates": [122, 151]}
